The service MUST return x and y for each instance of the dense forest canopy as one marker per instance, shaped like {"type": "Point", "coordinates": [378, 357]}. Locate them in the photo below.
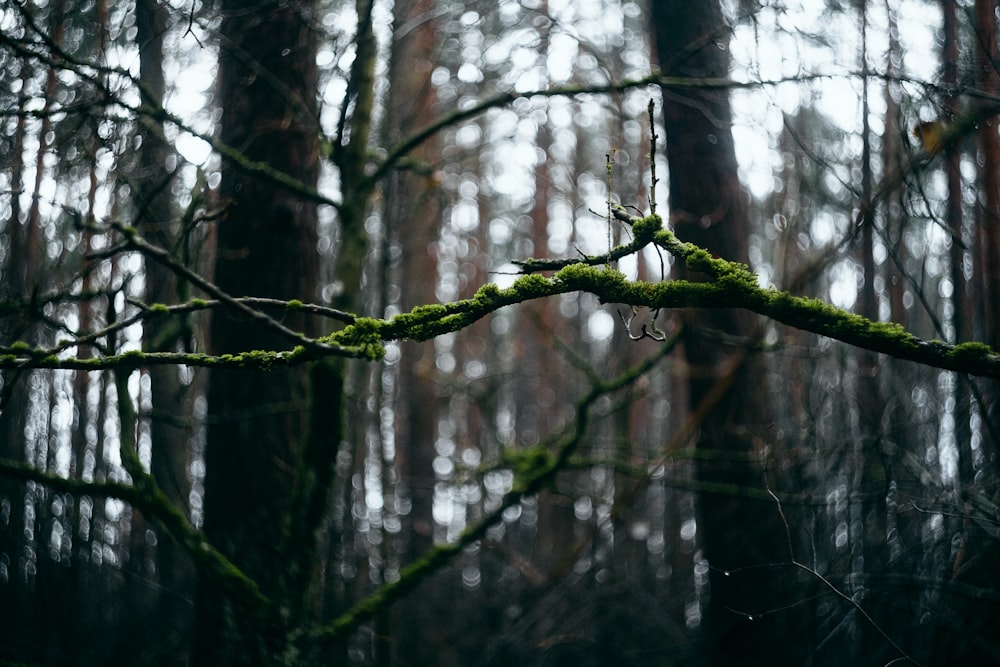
{"type": "Point", "coordinates": [529, 332]}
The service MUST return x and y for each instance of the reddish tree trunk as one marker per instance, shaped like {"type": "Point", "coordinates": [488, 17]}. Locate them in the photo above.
{"type": "Point", "coordinates": [413, 214]}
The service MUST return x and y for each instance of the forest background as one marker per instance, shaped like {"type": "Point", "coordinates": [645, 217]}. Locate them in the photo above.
{"type": "Point", "coordinates": [528, 332]}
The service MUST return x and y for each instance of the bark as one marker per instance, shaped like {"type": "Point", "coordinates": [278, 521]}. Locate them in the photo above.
{"type": "Point", "coordinates": [15, 389]}
{"type": "Point", "coordinates": [866, 461]}
{"type": "Point", "coordinates": [266, 246]}
{"type": "Point", "coordinates": [978, 549]}
{"type": "Point", "coordinates": [169, 432]}
{"type": "Point", "coordinates": [954, 217]}
{"type": "Point", "coordinates": [413, 212]}
{"type": "Point", "coordinates": [989, 183]}
{"type": "Point", "coordinates": [25, 588]}
{"type": "Point", "coordinates": [742, 538]}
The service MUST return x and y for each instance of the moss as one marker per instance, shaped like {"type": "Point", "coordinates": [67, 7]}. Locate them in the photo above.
{"type": "Point", "coordinates": [431, 311]}
{"type": "Point", "coordinates": [529, 286]}
{"type": "Point", "coordinates": [574, 273]}
{"type": "Point", "coordinates": [665, 238]}
{"type": "Point", "coordinates": [365, 334]}
{"type": "Point", "coordinates": [20, 346]}
{"type": "Point", "coordinates": [293, 304]}
{"type": "Point", "coordinates": [699, 259]}
{"type": "Point", "coordinates": [528, 464]}
{"type": "Point", "coordinates": [733, 276]}
{"type": "Point", "coordinates": [610, 279]}
{"type": "Point", "coordinates": [646, 228]}
{"type": "Point", "coordinates": [199, 303]}
{"type": "Point", "coordinates": [593, 278]}
{"type": "Point", "coordinates": [970, 352]}
{"type": "Point", "coordinates": [488, 292]}
{"type": "Point", "coordinates": [889, 329]}
{"type": "Point", "coordinates": [367, 325]}
{"type": "Point", "coordinates": [159, 309]}
{"type": "Point", "coordinates": [262, 359]}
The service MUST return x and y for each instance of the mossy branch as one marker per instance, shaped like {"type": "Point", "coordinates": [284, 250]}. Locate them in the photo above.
{"type": "Point", "coordinates": [145, 495]}
{"type": "Point", "coordinates": [24, 472]}
{"type": "Point", "coordinates": [728, 285]}
{"type": "Point", "coordinates": [534, 468]}
{"type": "Point", "coordinates": [157, 507]}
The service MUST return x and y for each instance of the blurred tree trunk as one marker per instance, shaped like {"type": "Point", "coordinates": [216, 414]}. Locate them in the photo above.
{"type": "Point", "coordinates": [973, 561]}
{"type": "Point", "coordinates": [867, 521]}
{"type": "Point", "coordinates": [15, 395]}
{"type": "Point", "coordinates": [25, 508]}
{"type": "Point", "coordinates": [963, 311]}
{"type": "Point", "coordinates": [708, 207]}
{"type": "Point", "coordinates": [171, 400]}
{"type": "Point", "coordinates": [537, 409]}
{"type": "Point", "coordinates": [413, 215]}
{"type": "Point", "coordinates": [989, 182]}
{"type": "Point", "coordinates": [266, 247]}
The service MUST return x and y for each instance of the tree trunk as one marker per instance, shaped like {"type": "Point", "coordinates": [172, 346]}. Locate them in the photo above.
{"type": "Point", "coordinates": [989, 175]}
{"type": "Point", "coordinates": [413, 215]}
{"type": "Point", "coordinates": [170, 398]}
{"type": "Point", "coordinates": [266, 247]}
{"type": "Point", "coordinates": [742, 537]}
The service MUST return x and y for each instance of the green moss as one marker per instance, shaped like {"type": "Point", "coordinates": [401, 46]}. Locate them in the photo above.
{"type": "Point", "coordinates": [699, 259]}
{"type": "Point", "coordinates": [528, 464]}
{"type": "Point", "coordinates": [610, 279]}
{"type": "Point", "coordinates": [365, 335]}
{"type": "Point", "coordinates": [367, 325]}
{"type": "Point", "coordinates": [293, 304]}
{"type": "Point", "coordinates": [487, 295]}
{"type": "Point", "coordinates": [427, 312]}
{"type": "Point", "coordinates": [665, 238]}
{"type": "Point", "coordinates": [262, 359]}
{"type": "Point", "coordinates": [733, 276]}
{"type": "Point", "coordinates": [591, 277]}
{"type": "Point", "coordinates": [573, 273]}
{"type": "Point", "coordinates": [889, 329]}
{"type": "Point", "coordinates": [820, 317]}
{"type": "Point", "coordinates": [199, 303]}
{"type": "Point", "coordinates": [159, 308]}
{"type": "Point", "coordinates": [969, 352]}
{"type": "Point", "coordinates": [20, 346]}
{"type": "Point", "coordinates": [530, 286]}
{"type": "Point", "coordinates": [647, 227]}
